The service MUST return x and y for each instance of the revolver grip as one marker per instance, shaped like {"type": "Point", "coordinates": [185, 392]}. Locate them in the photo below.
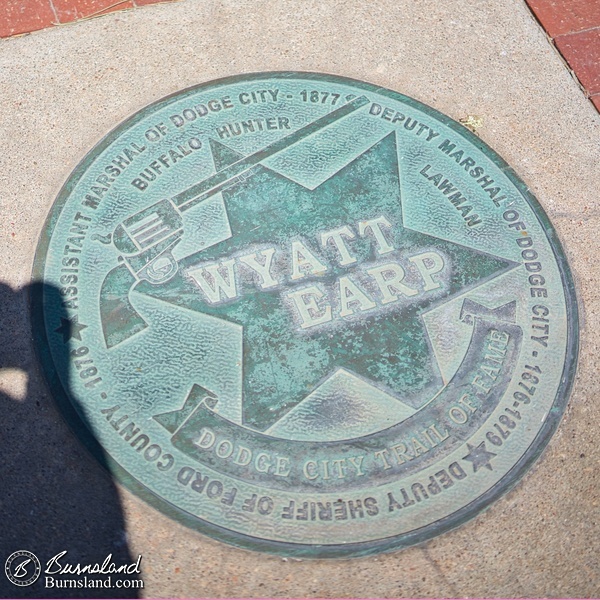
{"type": "Point", "coordinates": [146, 240]}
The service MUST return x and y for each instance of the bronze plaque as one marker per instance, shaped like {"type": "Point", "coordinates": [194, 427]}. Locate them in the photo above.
{"type": "Point", "coordinates": [306, 315]}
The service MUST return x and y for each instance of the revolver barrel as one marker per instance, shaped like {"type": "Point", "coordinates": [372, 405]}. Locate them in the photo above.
{"type": "Point", "coordinates": [146, 238]}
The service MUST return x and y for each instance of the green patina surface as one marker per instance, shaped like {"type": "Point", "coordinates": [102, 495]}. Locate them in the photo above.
{"type": "Point", "coordinates": [313, 291]}
{"type": "Point", "coordinates": [281, 361]}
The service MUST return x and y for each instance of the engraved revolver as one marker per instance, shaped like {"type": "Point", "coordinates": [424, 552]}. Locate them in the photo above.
{"type": "Point", "coordinates": [146, 239]}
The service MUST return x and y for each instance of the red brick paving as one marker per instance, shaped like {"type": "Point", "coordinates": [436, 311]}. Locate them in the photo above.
{"type": "Point", "coordinates": [574, 26]}
{"type": "Point", "coordinates": [24, 16]}
{"type": "Point", "coordinates": [582, 52]}
{"type": "Point", "coordinates": [72, 10]}
{"type": "Point", "coordinates": [566, 16]}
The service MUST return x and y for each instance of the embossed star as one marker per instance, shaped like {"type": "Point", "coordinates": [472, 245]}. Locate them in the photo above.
{"type": "Point", "coordinates": [70, 328]}
{"type": "Point", "coordinates": [479, 457]}
{"type": "Point", "coordinates": [282, 363]}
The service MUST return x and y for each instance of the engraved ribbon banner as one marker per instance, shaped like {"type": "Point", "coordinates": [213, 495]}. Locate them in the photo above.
{"type": "Point", "coordinates": [450, 418]}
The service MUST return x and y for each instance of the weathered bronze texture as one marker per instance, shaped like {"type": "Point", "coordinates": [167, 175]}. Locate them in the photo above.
{"type": "Point", "coordinates": [306, 315]}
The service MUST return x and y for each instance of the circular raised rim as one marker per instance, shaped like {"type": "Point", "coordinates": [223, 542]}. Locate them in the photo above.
{"type": "Point", "coordinates": [392, 543]}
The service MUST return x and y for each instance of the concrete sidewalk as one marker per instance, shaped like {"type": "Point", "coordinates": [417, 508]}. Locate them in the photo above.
{"type": "Point", "coordinates": [64, 88]}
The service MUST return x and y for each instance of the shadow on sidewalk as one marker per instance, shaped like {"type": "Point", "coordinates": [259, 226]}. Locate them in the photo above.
{"type": "Point", "coordinates": [53, 495]}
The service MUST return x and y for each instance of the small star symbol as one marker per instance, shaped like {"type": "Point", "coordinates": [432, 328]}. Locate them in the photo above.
{"type": "Point", "coordinates": [480, 457]}
{"type": "Point", "coordinates": [70, 328]}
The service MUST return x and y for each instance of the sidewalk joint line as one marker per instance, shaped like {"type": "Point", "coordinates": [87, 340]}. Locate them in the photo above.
{"type": "Point", "coordinates": [99, 13]}
{"type": "Point", "coordinates": [55, 13]}
{"type": "Point", "coordinates": [561, 35]}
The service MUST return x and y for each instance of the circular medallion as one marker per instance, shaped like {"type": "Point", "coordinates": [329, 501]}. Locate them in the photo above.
{"type": "Point", "coordinates": [304, 314]}
{"type": "Point", "coordinates": [22, 568]}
